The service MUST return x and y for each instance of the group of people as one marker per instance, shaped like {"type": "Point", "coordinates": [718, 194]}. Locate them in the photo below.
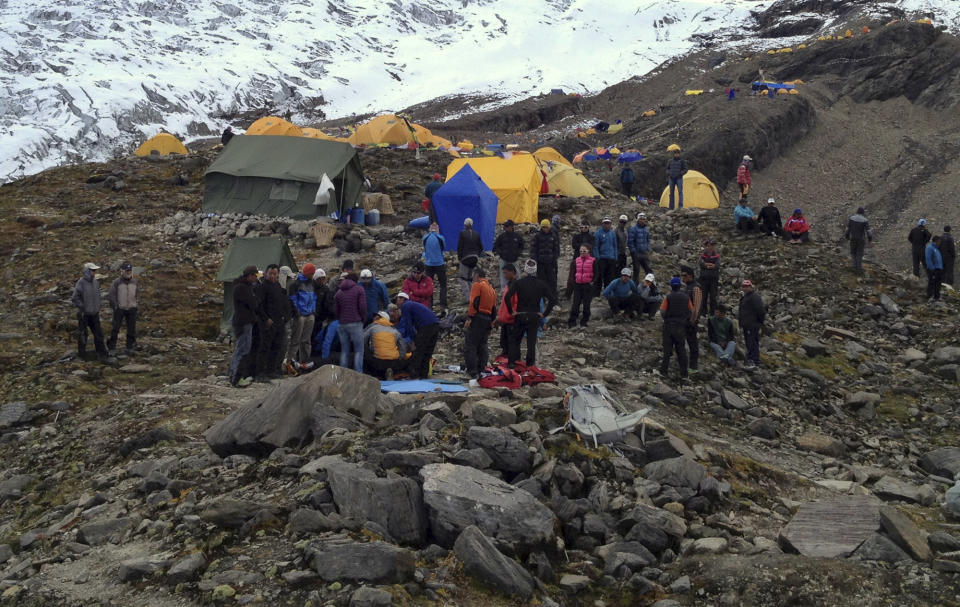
{"type": "Point", "coordinates": [124, 300]}
{"type": "Point", "coordinates": [936, 254]}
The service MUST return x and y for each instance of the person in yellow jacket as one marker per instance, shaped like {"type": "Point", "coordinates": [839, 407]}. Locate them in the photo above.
{"type": "Point", "coordinates": [385, 349]}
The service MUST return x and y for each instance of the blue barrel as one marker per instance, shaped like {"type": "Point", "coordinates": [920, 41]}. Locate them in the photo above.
{"type": "Point", "coordinates": [356, 215]}
{"type": "Point", "coordinates": [373, 217]}
{"type": "Point", "coordinates": [420, 222]}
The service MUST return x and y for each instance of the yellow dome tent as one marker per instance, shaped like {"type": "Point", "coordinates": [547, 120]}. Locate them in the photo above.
{"type": "Point", "coordinates": [313, 133]}
{"type": "Point", "coordinates": [273, 125]}
{"type": "Point", "coordinates": [516, 182]}
{"type": "Point", "coordinates": [162, 144]}
{"type": "Point", "coordinates": [390, 129]}
{"type": "Point", "coordinates": [698, 192]}
{"type": "Point", "coordinates": [673, 147]}
{"type": "Point", "coordinates": [565, 180]}
{"type": "Point", "coordinates": [549, 154]}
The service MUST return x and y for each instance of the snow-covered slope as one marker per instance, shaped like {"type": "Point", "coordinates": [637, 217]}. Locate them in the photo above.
{"type": "Point", "coordinates": [88, 80]}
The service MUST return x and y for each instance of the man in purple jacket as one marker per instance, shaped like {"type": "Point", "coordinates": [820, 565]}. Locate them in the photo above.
{"type": "Point", "coordinates": [350, 307]}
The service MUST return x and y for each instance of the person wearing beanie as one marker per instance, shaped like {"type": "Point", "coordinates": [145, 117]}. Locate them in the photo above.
{"type": "Point", "coordinates": [676, 169]}
{"type": "Point", "coordinates": [385, 351]}
{"type": "Point", "coordinates": [246, 314]}
{"type": "Point", "coordinates": [582, 237]}
{"type": "Point", "coordinates": [508, 247]}
{"type": "Point", "coordinates": [434, 245]}
{"type": "Point", "coordinates": [743, 176]}
{"type": "Point", "coordinates": [529, 291]}
{"type": "Point", "coordinates": [325, 295]}
{"type": "Point", "coordinates": [859, 234]}
{"type": "Point", "coordinates": [86, 299]}
{"type": "Point", "coordinates": [638, 243]}
{"type": "Point", "coordinates": [124, 301]}
{"type": "Point", "coordinates": [796, 230]}
{"type": "Point", "coordinates": [649, 297]}
{"type": "Point", "coordinates": [695, 292]}
{"type": "Point", "coordinates": [675, 310]}
{"type": "Point", "coordinates": [606, 251]}
{"type": "Point", "coordinates": [303, 297]}
{"type": "Point", "coordinates": [583, 266]}
{"type": "Point", "coordinates": [949, 252]}
{"type": "Point", "coordinates": [504, 316]}
{"type": "Point", "coordinates": [918, 238]}
{"type": "Point", "coordinates": [469, 250]}
{"type": "Point", "coordinates": [480, 310]}
{"type": "Point", "coordinates": [275, 305]}
{"type": "Point", "coordinates": [350, 307]}
{"type": "Point", "coordinates": [621, 232]}
{"type": "Point", "coordinates": [545, 251]}
{"type": "Point", "coordinates": [934, 265]}
{"type": "Point", "coordinates": [428, 193]}
{"type": "Point", "coordinates": [709, 275]}
{"type": "Point", "coordinates": [418, 285]}
{"type": "Point", "coordinates": [743, 217]}
{"type": "Point", "coordinates": [769, 218]}
{"type": "Point", "coordinates": [751, 315]}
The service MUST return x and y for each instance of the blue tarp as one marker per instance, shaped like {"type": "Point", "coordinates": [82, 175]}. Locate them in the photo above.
{"type": "Point", "coordinates": [419, 386]}
{"type": "Point", "coordinates": [496, 147]}
{"type": "Point", "coordinates": [420, 222]}
{"type": "Point", "coordinates": [629, 157]}
{"type": "Point", "coordinates": [466, 195]}
{"type": "Point", "coordinates": [773, 85]}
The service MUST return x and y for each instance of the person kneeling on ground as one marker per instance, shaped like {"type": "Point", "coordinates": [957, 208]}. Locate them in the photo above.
{"type": "Point", "coordinates": [420, 328]}
{"type": "Point", "coordinates": [623, 295]}
{"type": "Point", "coordinates": [649, 297]}
{"type": "Point", "coordinates": [720, 335]}
{"type": "Point", "coordinates": [743, 217]}
{"type": "Point", "coordinates": [796, 230]}
{"type": "Point", "coordinates": [386, 352]}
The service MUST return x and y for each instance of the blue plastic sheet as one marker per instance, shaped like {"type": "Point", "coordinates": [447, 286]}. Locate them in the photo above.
{"type": "Point", "coordinates": [419, 386]}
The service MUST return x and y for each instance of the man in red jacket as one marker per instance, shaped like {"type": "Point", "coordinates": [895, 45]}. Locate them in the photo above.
{"type": "Point", "coordinates": [743, 176]}
{"type": "Point", "coordinates": [504, 317]}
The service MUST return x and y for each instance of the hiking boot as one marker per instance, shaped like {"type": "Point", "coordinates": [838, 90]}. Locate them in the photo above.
{"type": "Point", "coordinates": [290, 368]}
{"type": "Point", "coordinates": [111, 352]}
{"type": "Point", "coordinates": [388, 374]}
{"type": "Point", "coordinates": [129, 351]}
{"type": "Point", "coordinates": [306, 366]}
{"type": "Point", "coordinates": [243, 383]}
{"type": "Point", "coordinates": [692, 370]}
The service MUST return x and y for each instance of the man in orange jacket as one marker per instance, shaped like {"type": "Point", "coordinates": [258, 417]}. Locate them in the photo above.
{"type": "Point", "coordinates": [483, 301]}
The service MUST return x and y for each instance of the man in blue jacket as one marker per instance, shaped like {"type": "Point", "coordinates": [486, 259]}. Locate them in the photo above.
{"type": "Point", "coordinates": [626, 180]}
{"type": "Point", "coordinates": [934, 269]}
{"type": "Point", "coordinates": [436, 266]}
{"type": "Point", "coordinates": [623, 296]}
{"type": "Point", "coordinates": [638, 241]}
{"type": "Point", "coordinates": [676, 169]}
{"type": "Point", "coordinates": [605, 251]}
{"type": "Point", "coordinates": [378, 298]}
{"type": "Point", "coordinates": [420, 328]}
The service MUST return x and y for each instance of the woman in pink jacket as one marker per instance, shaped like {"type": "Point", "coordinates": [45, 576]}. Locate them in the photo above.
{"type": "Point", "coordinates": [583, 268]}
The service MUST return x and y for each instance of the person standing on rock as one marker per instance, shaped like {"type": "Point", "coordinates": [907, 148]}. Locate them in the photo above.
{"type": "Point", "coordinates": [86, 299]}
{"type": "Point", "coordinates": [638, 243]}
{"type": "Point", "coordinates": [605, 250]}
{"type": "Point", "coordinates": [582, 287]}
{"type": "Point", "coordinates": [721, 336]}
{"type": "Point", "coordinates": [769, 218]}
{"type": "Point", "coordinates": [378, 298]}
{"type": "Point", "coordinates": [918, 238]}
{"type": "Point", "coordinates": [529, 292]}
{"type": "Point", "coordinates": [124, 301]}
{"type": "Point", "coordinates": [622, 243]}
{"type": "Point", "coordinates": [695, 292]}
{"type": "Point", "coordinates": [276, 312]}
{"type": "Point", "coordinates": [303, 315]}
{"type": "Point", "coordinates": [744, 218]}
{"type": "Point", "coordinates": [582, 238]}
{"type": "Point", "coordinates": [469, 250]}
{"type": "Point", "coordinates": [858, 233]}
{"type": "Point", "coordinates": [934, 263]}
{"type": "Point", "coordinates": [743, 176]}
{"type": "Point", "coordinates": [751, 315]}
{"type": "Point", "coordinates": [483, 301]}
{"type": "Point", "coordinates": [246, 313]}
{"type": "Point", "coordinates": [418, 285]}
{"type": "Point", "coordinates": [675, 310]}
{"type": "Point", "coordinates": [505, 314]}
{"type": "Point", "coordinates": [623, 296]}
{"type": "Point", "coordinates": [508, 247]}
{"type": "Point", "coordinates": [385, 353]}
{"type": "Point", "coordinates": [709, 275]}
{"type": "Point", "coordinates": [350, 307]}
{"type": "Point", "coordinates": [627, 178]}
{"type": "Point", "coordinates": [545, 252]}
{"type": "Point", "coordinates": [949, 251]}
{"type": "Point", "coordinates": [420, 328]}
{"type": "Point", "coordinates": [676, 169]}
{"type": "Point", "coordinates": [436, 265]}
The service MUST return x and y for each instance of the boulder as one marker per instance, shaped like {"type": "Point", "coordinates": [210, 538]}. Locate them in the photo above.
{"type": "Point", "coordinates": [492, 413]}
{"type": "Point", "coordinates": [482, 560]}
{"type": "Point", "coordinates": [945, 355]}
{"type": "Point", "coordinates": [763, 427]}
{"type": "Point", "coordinates": [396, 504]}
{"type": "Point", "coordinates": [676, 472]}
{"type": "Point", "coordinates": [370, 597]}
{"type": "Point", "coordinates": [880, 548]}
{"type": "Point", "coordinates": [231, 513]}
{"type": "Point", "coordinates": [101, 532]}
{"type": "Point", "coordinates": [667, 447]}
{"type": "Point", "coordinates": [187, 569]}
{"type": "Point", "coordinates": [813, 347]}
{"type": "Point", "coordinates": [458, 497]}
{"type": "Point", "coordinates": [831, 529]}
{"type": "Point", "coordinates": [509, 453]}
{"type": "Point", "coordinates": [732, 400]}
{"type": "Point", "coordinates": [372, 562]}
{"type": "Point", "coordinates": [296, 411]}
{"type": "Point", "coordinates": [822, 444]}
{"type": "Point", "coordinates": [905, 533]}
{"type": "Point", "coordinates": [890, 488]}
{"type": "Point", "coordinates": [943, 462]}
{"type": "Point", "coordinates": [136, 569]}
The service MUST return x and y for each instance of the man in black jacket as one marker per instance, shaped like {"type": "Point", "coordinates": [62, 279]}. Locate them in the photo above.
{"type": "Point", "coordinates": [918, 239]}
{"type": "Point", "coordinates": [582, 238]}
{"type": "Point", "coordinates": [949, 252]}
{"type": "Point", "coordinates": [545, 251]}
{"type": "Point", "coordinates": [469, 250]}
{"type": "Point", "coordinates": [675, 309]}
{"type": "Point", "coordinates": [275, 305]}
{"type": "Point", "coordinates": [529, 290]}
{"type": "Point", "coordinates": [246, 313]}
{"type": "Point", "coordinates": [858, 233]}
{"type": "Point", "coordinates": [769, 218]}
{"type": "Point", "coordinates": [676, 169]}
{"type": "Point", "coordinates": [751, 316]}
{"type": "Point", "coordinates": [509, 247]}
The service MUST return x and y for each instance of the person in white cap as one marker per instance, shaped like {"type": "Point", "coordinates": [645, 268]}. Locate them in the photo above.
{"type": "Point", "coordinates": [623, 296]}
{"type": "Point", "coordinates": [621, 232]}
{"type": "Point", "coordinates": [469, 250]}
{"type": "Point", "coordinates": [649, 297]}
{"type": "Point", "coordinates": [743, 176]}
{"type": "Point", "coordinates": [769, 218]}
{"type": "Point", "coordinates": [285, 276]}
{"type": "Point", "coordinates": [386, 350]}
{"type": "Point", "coordinates": [918, 239]}
{"type": "Point", "coordinates": [86, 298]}
{"type": "Point", "coordinates": [378, 298]}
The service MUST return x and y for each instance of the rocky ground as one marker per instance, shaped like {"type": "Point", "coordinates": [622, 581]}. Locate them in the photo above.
{"type": "Point", "coordinates": [815, 479]}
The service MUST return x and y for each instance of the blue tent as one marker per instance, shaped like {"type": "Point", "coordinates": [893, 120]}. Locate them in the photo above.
{"type": "Point", "coordinates": [466, 195]}
{"type": "Point", "coordinates": [772, 85]}
{"type": "Point", "coordinates": [629, 157]}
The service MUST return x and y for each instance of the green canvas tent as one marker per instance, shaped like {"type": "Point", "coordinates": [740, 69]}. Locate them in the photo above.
{"type": "Point", "coordinates": [244, 252]}
{"type": "Point", "coordinates": [279, 176]}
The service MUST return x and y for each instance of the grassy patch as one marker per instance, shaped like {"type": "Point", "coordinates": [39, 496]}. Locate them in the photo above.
{"type": "Point", "coordinates": [574, 448]}
{"type": "Point", "coordinates": [894, 407]}
{"type": "Point", "coordinates": [827, 366]}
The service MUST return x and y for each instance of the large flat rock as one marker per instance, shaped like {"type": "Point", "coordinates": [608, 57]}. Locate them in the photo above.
{"type": "Point", "coordinates": [943, 462]}
{"type": "Point", "coordinates": [831, 529]}
{"type": "Point", "coordinates": [395, 503]}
